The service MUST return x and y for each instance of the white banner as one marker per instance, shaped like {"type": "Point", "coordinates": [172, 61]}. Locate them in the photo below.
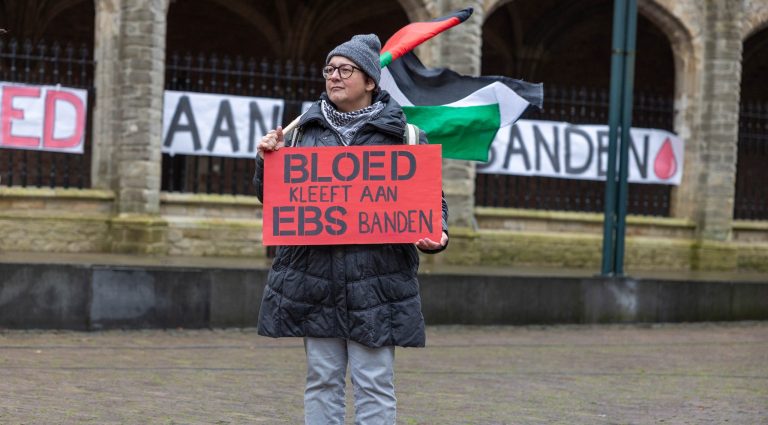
{"type": "Point", "coordinates": [42, 118]}
{"type": "Point", "coordinates": [560, 149]}
{"type": "Point", "coordinates": [216, 124]}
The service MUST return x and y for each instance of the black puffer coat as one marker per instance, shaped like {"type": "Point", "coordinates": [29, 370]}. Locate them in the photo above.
{"type": "Point", "coordinates": [365, 293]}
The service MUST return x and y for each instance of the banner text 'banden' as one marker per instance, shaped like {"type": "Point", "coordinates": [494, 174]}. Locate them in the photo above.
{"type": "Point", "coordinates": [560, 149]}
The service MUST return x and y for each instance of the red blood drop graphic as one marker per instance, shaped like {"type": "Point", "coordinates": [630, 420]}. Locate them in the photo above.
{"type": "Point", "coordinates": [665, 163]}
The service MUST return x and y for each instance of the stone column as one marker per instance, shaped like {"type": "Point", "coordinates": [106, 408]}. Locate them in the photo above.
{"type": "Point", "coordinates": [716, 173]}
{"type": "Point", "coordinates": [137, 128]}
{"type": "Point", "coordinates": [459, 49]}
{"type": "Point", "coordinates": [106, 42]}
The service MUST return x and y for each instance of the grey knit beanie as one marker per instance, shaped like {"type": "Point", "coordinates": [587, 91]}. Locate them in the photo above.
{"type": "Point", "coordinates": [364, 51]}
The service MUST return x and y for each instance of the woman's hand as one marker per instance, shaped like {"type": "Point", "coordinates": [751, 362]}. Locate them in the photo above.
{"type": "Point", "coordinates": [428, 244]}
{"type": "Point", "coordinates": [272, 141]}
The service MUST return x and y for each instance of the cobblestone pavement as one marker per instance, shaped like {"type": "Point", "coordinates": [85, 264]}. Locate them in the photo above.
{"type": "Point", "coordinates": [615, 374]}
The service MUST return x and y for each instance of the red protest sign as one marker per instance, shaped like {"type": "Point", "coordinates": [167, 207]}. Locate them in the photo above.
{"type": "Point", "coordinates": [352, 195]}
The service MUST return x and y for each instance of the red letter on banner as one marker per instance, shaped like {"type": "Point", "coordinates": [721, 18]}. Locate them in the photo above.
{"type": "Point", "coordinates": [50, 120]}
{"type": "Point", "coordinates": [9, 114]}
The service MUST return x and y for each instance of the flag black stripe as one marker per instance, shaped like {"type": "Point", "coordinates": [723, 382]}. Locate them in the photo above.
{"type": "Point", "coordinates": [440, 86]}
{"type": "Point", "coordinates": [462, 15]}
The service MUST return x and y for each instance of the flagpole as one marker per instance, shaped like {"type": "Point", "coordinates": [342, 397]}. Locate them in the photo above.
{"type": "Point", "coordinates": [292, 124]}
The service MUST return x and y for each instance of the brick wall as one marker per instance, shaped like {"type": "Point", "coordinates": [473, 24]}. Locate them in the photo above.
{"type": "Point", "coordinates": [55, 220]}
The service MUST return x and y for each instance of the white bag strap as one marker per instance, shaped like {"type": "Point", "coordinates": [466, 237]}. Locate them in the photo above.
{"type": "Point", "coordinates": [294, 138]}
{"type": "Point", "coordinates": [411, 134]}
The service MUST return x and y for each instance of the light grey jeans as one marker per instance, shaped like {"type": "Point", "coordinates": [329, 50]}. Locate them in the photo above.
{"type": "Point", "coordinates": [372, 378]}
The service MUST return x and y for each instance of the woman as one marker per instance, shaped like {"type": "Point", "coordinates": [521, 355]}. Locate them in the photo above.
{"type": "Point", "coordinates": [352, 303]}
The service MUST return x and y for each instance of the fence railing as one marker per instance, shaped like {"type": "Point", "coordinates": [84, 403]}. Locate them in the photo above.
{"type": "Point", "coordinates": [580, 106]}
{"type": "Point", "coordinates": [297, 83]}
{"type": "Point", "coordinates": [751, 197]}
{"type": "Point", "coordinates": [293, 82]}
{"type": "Point", "coordinates": [47, 64]}
{"type": "Point", "coordinates": [57, 63]}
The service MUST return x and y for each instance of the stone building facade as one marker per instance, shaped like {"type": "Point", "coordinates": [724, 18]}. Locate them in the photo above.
{"type": "Point", "coordinates": [126, 210]}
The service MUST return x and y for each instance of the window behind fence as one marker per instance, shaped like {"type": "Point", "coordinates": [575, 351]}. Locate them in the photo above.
{"type": "Point", "coordinates": [580, 106]}
{"type": "Point", "coordinates": [47, 64]}
{"type": "Point", "coordinates": [295, 83]}
{"type": "Point", "coordinates": [751, 198]}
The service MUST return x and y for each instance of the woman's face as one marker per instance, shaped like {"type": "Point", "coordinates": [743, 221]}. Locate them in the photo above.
{"type": "Point", "coordinates": [348, 94]}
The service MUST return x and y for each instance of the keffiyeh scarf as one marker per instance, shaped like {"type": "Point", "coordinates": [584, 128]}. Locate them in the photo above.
{"type": "Point", "coordinates": [348, 123]}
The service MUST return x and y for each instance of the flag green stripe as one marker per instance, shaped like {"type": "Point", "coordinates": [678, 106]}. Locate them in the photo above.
{"type": "Point", "coordinates": [385, 59]}
{"type": "Point", "coordinates": [465, 132]}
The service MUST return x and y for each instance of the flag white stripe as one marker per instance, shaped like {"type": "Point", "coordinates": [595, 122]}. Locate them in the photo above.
{"type": "Point", "coordinates": [511, 105]}
{"type": "Point", "coordinates": [388, 83]}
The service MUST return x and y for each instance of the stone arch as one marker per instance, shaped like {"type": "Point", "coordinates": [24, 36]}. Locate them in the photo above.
{"type": "Point", "coordinates": [755, 18]}
{"type": "Point", "coordinates": [68, 20]}
{"type": "Point", "coordinates": [552, 36]}
{"type": "Point", "coordinates": [208, 15]}
{"type": "Point", "coordinates": [492, 5]}
{"type": "Point", "coordinates": [754, 66]}
{"type": "Point", "coordinates": [675, 8]}
{"type": "Point", "coordinates": [533, 32]}
{"type": "Point", "coordinates": [287, 30]}
{"type": "Point", "coordinates": [680, 38]}
{"type": "Point", "coordinates": [752, 30]}
{"type": "Point", "coordinates": [316, 35]}
{"type": "Point", "coordinates": [670, 17]}
{"type": "Point", "coordinates": [254, 15]}
{"type": "Point", "coordinates": [678, 22]}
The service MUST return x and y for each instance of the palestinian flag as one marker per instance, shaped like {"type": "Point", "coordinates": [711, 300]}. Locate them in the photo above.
{"type": "Point", "coordinates": [411, 35]}
{"type": "Point", "coordinates": [460, 112]}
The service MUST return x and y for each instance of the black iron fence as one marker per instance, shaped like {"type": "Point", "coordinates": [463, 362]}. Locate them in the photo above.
{"type": "Point", "coordinates": [580, 106]}
{"type": "Point", "coordinates": [47, 63]}
{"type": "Point", "coordinates": [297, 83]}
{"type": "Point", "coordinates": [751, 198]}
{"type": "Point", "coordinates": [68, 65]}
{"type": "Point", "coordinates": [293, 82]}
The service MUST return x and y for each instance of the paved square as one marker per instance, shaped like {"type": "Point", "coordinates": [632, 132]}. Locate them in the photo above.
{"type": "Point", "coordinates": [614, 374]}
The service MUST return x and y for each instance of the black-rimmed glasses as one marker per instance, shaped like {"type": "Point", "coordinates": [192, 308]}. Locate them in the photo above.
{"type": "Point", "coordinates": [345, 71]}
